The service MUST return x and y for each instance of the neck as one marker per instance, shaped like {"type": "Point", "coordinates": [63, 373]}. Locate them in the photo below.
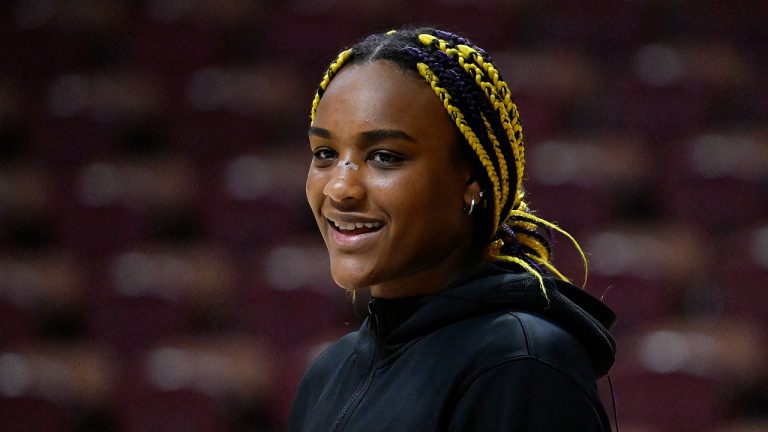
{"type": "Point", "coordinates": [430, 278]}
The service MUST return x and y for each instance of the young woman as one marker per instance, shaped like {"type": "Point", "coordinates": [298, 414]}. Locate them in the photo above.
{"type": "Point", "coordinates": [416, 186]}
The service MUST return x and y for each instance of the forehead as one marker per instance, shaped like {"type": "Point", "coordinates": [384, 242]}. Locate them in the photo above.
{"type": "Point", "coordinates": [380, 94]}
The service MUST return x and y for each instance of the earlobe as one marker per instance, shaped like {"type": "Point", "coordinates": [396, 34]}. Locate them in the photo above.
{"type": "Point", "coordinates": [473, 194]}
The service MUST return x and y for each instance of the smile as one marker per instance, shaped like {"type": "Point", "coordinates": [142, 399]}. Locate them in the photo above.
{"type": "Point", "coordinates": [350, 226]}
{"type": "Point", "coordinates": [353, 234]}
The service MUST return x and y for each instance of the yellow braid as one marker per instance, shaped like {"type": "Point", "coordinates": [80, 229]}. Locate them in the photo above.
{"type": "Point", "coordinates": [554, 271]}
{"type": "Point", "coordinates": [528, 226]}
{"type": "Point", "coordinates": [493, 252]}
{"type": "Point", "coordinates": [542, 254]}
{"type": "Point", "coordinates": [502, 161]}
{"type": "Point", "coordinates": [497, 93]}
{"type": "Point", "coordinates": [468, 133]}
{"type": "Point", "coordinates": [510, 119]}
{"type": "Point", "coordinates": [542, 222]}
{"type": "Point", "coordinates": [527, 267]}
{"type": "Point", "coordinates": [515, 137]}
{"type": "Point", "coordinates": [499, 196]}
{"type": "Point", "coordinates": [332, 70]}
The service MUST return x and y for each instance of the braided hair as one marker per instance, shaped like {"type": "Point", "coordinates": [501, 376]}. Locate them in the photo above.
{"type": "Point", "coordinates": [478, 100]}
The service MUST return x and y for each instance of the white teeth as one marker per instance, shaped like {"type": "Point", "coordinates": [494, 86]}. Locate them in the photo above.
{"type": "Point", "coordinates": [354, 225]}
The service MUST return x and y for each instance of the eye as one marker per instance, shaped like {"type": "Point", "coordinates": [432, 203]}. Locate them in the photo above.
{"type": "Point", "coordinates": [385, 158]}
{"type": "Point", "coordinates": [323, 155]}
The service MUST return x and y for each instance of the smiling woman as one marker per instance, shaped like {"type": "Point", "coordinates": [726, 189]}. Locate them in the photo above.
{"type": "Point", "coordinates": [408, 180]}
{"type": "Point", "coordinates": [416, 186]}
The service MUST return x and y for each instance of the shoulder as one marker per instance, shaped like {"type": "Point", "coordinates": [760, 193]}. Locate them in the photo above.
{"type": "Point", "coordinates": [537, 357]}
{"type": "Point", "coordinates": [535, 396]}
{"type": "Point", "coordinates": [328, 360]}
{"type": "Point", "coordinates": [527, 363]}
{"type": "Point", "coordinates": [323, 371]}
{"type": "Point", "coordinates": [510, 336]}
{"type": "Point", "coordinates": [550, 342]}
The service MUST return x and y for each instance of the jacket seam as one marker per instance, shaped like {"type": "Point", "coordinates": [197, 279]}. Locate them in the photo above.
{"type": "Point", "coordinates": [524, 329]}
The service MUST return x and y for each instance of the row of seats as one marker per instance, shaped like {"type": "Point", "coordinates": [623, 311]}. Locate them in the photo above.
{"type": "Point", "coordinates": [135, 297]}
{"type": "Point", "coordinates": [225, 381]}
{"type": "Point", "coordinates": [730, 166]}
{"type": "Point", "coordinates": [258, 103]}
{"type": "Point", "coordinates": [704, 373]}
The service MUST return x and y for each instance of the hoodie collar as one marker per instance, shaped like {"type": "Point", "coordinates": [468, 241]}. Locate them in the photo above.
{"type": "Point", "coordinates": [495, 286]}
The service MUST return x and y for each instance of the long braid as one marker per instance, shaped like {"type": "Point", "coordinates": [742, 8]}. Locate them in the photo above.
{"type": "Point", "coordinates": [464, 128]}
{"type": "Point", "coordinates": [498, 95]}
{"type": "Point", "coordinates": [511, 118]}
{"type": "Point", "coordinates": [473, 122]}
{"type": "Point", "coordinates": [502, 160]}
{"type": "Point", "coordinates": [478, 110]}
{"type": "Point", "coordinates": [479, 102]}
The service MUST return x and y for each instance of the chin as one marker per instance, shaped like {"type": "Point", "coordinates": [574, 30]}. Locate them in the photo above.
{"type": "Point", "coordinates": [350, 284]}
{"type": "Point", "coordinates": [349, 279]}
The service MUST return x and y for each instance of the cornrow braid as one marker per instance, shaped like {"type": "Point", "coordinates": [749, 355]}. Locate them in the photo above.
{"type": "Point", "coordinates": [333, 69]}
{"type": "Point", "coordinates": [500, 195]}
{"type": "Point", "coordinates": [467, 131]}
{"type": "Point", "coordinates": [470, 124]}
{"type": "Point", "coordinates": [512, 118]}
{"type": "Point", "coordinates": [498, 95]}
{"type": "Point", "coordinates": [457, 40]}
{"type": "Point", "coordinates": [502, 160]}
{"type": "Point", "coordinates": [535, 248]}
{"type": "Point", "coordinates": [479, 102]}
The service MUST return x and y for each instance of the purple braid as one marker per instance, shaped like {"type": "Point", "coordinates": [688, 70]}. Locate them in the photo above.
{"type": "Point", "coordinates": [467, 96]}
{"type": "Point", "coordinates": [458, 40]}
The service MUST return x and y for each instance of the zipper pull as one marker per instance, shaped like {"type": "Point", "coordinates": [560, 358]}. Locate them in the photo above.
{"type": "Point", "coordinates": [373, 307]}
{"type": "Point", "coordinates": [374, 313]}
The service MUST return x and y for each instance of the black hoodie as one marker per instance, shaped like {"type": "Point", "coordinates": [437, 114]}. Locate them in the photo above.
{"type": "Point", "coordinates": [488, 353]}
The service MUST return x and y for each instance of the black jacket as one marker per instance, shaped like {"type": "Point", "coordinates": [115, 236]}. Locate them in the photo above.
{"type": "Point", "coordinates": [485, 354]}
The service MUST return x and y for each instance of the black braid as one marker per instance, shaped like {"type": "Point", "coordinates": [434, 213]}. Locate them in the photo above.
{"type": "Point", "coordinates": [466, 95]}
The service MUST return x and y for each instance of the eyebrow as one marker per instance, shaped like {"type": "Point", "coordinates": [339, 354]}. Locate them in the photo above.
{"type": "Point", "coordinates": [371, 136]}
{"type": "Point", "coordinates": [319, 132]}
{"type": "Point", "coordinates": [377, 135]}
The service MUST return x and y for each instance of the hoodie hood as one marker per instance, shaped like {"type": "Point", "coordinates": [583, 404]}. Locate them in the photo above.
{"type": "Point", "coordinates": [493, 287]}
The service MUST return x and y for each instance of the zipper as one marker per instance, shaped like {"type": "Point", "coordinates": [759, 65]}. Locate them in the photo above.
{"type": "Point", "coordinates": [373, 311]}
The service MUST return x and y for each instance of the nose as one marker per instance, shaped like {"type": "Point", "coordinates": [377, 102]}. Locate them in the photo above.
{"type": "Point", "coordinates": [345, 183]}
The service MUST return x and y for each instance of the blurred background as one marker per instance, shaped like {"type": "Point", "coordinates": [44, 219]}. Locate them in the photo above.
{"type": "Point", "coordinates": [160, 270]}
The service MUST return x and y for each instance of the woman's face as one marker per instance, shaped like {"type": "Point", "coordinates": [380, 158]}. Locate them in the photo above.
{"type": "Point", "coordinates": [392, 218]}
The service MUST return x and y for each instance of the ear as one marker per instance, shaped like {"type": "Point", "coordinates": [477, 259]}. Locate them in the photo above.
{"type": "Point", "coordinates": [472, 189]}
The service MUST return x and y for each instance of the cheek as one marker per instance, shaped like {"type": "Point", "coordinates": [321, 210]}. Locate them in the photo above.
{"type": "Point", "coordinates": [425, 207]}
{"type": "Point", "coordinates": [314, 189]}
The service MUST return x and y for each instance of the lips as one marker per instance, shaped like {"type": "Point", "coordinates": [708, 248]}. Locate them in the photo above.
{"type": "Point", "coordinates": [352, 228]}
{"type": "Point", "coordinates": [352, 232]}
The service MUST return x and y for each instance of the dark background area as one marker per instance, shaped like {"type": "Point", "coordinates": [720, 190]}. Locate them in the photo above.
{"type": "Point", "coordinates": [160, 270]}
